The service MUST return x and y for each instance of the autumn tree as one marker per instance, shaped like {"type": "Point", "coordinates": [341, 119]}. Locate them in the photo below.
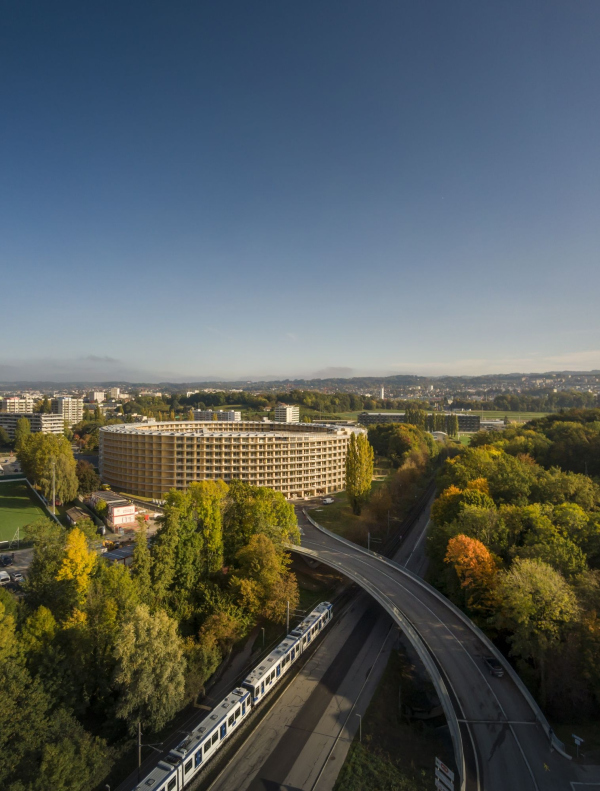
{"type": "Point", "coordinates": [476, 570]}
{"type": "Point", "coordinates": [359, 471]}
{"type": "Point", "coordinates": [150, 673]}
{"type": "Point", "coordinates": [77, 565]}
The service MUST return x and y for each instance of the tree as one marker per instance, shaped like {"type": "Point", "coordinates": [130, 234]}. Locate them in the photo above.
{"type": "Point", "coordinates": [359, 471]}
{"type": "Point", "coordinates": [39, 454]}
{"type": "Point", "coordinates": [536, 605]}
{"type": "Point", "coordinates": [141, 566]}
{"type": "Point", "coordinates": [89, 480]}
{"type": "Point", "coordinates": [42, 586]}
{"type": "Point", "coordinates": [4, 438]}
{"type": "Point", "coordinates": [476, 570]}
{"type": "Point", "coordinates": [207, 498]}
{"type": "Point", "coordinates": [263, 583]}
{"type": "Point", "coordinates": [256, 509]}
{"type": "Point", "coordinates": [77, 565]}
{"type": "Point", "coordinates": [452, 425]}
{"type": "Point", "coordinates": [22, 432]}
{"type": "Point", "coordinates": [150, 669]}
{"type": "Point", "coordinates": [101, 507]}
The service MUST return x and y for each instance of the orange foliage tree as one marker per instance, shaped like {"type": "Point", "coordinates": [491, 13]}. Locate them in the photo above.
{"type": "Point", "coordinates": [476, 570]}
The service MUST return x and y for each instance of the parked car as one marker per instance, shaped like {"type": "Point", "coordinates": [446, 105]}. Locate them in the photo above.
{"type": "Point", "coordinates": [328, 500]}
{"type": "Point", "coordinates": [4, 578]}
{"type": "Point", "coordinates": [494, 666]}
{"type": "Point", "coordinates": [17, 577]}
{"type": "Point", "coordinates": [6, 560]}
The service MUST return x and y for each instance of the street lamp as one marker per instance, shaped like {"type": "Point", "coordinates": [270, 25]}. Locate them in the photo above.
{"type": "Point", "coordinates": [359, 727]}
{"type": "Point", "coordinates": [262, 629]}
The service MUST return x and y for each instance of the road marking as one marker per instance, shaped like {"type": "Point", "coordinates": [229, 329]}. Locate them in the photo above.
{"type": "Point", "coordinates": [418, 542]}
{"type": "Point", "coordinates": [499, 722]}
{"type": "Point", "coordinates": [445, 681]}
{"type": "Point", "coordinates": [445, 626]}
{"type": "Point", "coordinates": [397, 582]}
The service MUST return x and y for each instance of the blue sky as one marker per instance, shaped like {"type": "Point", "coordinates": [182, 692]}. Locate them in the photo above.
{"type": "Point", "coordinates": [273, 188]}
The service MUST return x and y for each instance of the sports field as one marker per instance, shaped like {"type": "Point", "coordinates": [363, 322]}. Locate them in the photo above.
{"type": "Point", "coordinates": [17, 508]}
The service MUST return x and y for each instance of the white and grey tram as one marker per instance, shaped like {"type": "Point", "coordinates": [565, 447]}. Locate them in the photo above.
{"type": "Point", "coordinates": [174, 771]}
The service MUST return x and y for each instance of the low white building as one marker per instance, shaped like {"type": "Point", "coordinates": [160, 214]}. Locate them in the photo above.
{"type": "Point", "coordinates": [39, 421]}
{"type": "Point", "coordinates": [220, 414]}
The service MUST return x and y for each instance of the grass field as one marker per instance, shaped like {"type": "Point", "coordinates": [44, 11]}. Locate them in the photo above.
{"type": "Point", "coordinates": [17, 508]}
{"type": "Point", "coordinates": [339, 518]}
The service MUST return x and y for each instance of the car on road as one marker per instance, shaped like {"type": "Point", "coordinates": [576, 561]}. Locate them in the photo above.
{"type": "Point", "coordinates": [4, 578]}
{"type": "Point", "coordinates": [17, 577]}
{"type": "Point", "coordinates": [494, 666]}
{"type": "Point", "coordinates": [6, 560]}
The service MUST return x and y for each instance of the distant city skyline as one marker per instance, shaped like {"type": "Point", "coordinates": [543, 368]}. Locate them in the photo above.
{"type": "Point", "coordinates": [238, 191]}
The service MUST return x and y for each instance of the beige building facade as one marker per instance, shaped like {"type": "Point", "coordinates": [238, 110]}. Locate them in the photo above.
{"type": "Point", "coordinates": [300, 460]}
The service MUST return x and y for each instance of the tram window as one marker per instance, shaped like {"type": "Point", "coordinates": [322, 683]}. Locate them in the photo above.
{"type": "Point", "coordinates": [236, 714]}
{"type": "Point", "coordinates": [231, 720]}
{"type": "Point", "coordinates": [172, 784]}
{"type": "Point", "coordinates": [187, 767]}
{"type": "Point", "coordinates": [215, 737]}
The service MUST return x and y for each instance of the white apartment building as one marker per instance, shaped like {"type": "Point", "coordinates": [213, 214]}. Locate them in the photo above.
{"type": "Point", "coordinates": [96, 395]}
{"type": "Point", "coordinates": [114, 393]}
{"type": "Point", "coordinates": [71, 409]}
{"type": "Point", "coordinates": [287, 414]}
{"type": "Point", "coordinates": [17, 404]}
{"type": "Point", "coordinates": [220, 414]}
{"type": "Point", "coordinates": [39, 421]}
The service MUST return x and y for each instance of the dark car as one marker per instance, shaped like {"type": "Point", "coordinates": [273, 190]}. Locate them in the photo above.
{"type": "Point", "coordinates": [494, 666]}
{"type": "Point", "coordinates": [6, 560]}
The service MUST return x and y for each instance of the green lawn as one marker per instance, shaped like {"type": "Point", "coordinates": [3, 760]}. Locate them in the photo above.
{"type": "Point", "coordinates": [18, 507]}
{"type": "Point", "coordinates": [339, 518]}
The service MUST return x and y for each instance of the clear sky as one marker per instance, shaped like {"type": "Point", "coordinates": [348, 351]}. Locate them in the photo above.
{"type": "Point", "coordinates": [193, 189]}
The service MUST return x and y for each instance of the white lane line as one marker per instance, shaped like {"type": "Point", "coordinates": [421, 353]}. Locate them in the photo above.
{"type": "Point", "coordinates": [393, 606]}
{"type": "Point", "coordinates": [404, 588]}
{"type": "Point", "coordinates": [418, 542]}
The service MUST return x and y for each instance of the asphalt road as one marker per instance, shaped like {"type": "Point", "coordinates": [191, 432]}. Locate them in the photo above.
{"type": "Point", "coordinates": [505, 747]}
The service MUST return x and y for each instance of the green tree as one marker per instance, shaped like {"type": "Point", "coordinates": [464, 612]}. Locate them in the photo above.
{"type": "Point", "coordinates": [141, 566]}
{"type": "Point", "coordinates": [89, 480]}
{"type": "Point", "coordinates": [4, 438]}
{"type": "Point", "coordinates": [359, 471]}
{"type": "Point", "coordinates": [22, 432]}
{"type": "Point", "coordinates": [536, 606]}
{"type": "Point", "coordinates": [207, 499]}
{"type": "Point", "coordinates": [150, 674]}
{"type": "Point", "coordinates": [263, 583]}
{"type": "Point", "coordinates": [452, 425]}
{"type": "Point", "coordinates": [42, 586]}
{"type": "Point", "coordinates": [39, 454]}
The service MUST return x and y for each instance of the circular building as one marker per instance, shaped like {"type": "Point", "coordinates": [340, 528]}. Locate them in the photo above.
{"type": "Point", "coordinates": [297, 459]}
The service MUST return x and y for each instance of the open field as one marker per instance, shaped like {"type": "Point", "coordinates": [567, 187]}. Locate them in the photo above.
{"type": "Point", "coordinates": [18, 507]}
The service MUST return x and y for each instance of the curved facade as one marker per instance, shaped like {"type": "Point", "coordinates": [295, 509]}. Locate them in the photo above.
{"type": "Point", "coordinates": [296, 459]}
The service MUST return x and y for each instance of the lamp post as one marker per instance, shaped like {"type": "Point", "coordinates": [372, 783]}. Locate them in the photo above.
{"type": "Point", "coordinates": [262, 629]}
{"type": "Point", "coordinates": [359, 727]}
{"type": "Point", "coordinates": [54, 486]}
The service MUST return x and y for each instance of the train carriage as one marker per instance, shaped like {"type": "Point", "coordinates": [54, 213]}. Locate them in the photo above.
{"type": "Point", "coordinates": [174, 771]}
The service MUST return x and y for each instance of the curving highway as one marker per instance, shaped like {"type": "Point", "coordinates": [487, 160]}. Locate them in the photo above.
{"type": "Point", "coordinates": [501, 739]}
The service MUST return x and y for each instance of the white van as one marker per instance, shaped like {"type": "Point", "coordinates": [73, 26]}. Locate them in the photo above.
{"type": "Point", "coordinates": [4, 577]}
